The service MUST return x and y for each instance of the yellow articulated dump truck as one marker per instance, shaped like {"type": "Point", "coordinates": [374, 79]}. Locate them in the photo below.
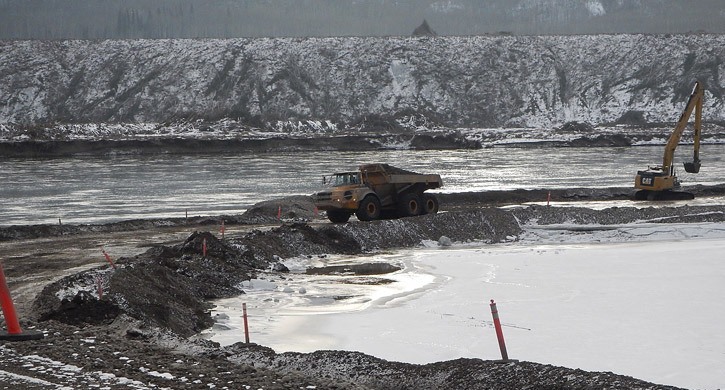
{"type": "Point", "coordinates": [377, 191]}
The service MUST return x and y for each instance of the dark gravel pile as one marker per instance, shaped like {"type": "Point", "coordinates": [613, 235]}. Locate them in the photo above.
{"type": "Point", "coordinates": [170, 286]}
{"type": "Point", "coordinates": [542, 215]}
{"type": "Point", "coordinates": [89, 357]}
{"type": "Point", "coordinates": [455, 374]}
{"type": "Point", "coordinates": [96, 357]}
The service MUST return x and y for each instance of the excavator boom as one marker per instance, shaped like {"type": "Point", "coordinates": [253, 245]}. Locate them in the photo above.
{"type": "Point", "coordinates": [694, 165]}
{"type": "Point", "coordinates": [694, 103]}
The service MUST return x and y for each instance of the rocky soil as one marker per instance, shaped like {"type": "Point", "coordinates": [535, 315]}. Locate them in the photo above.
{"type": "Point", "coordinates": [351, 82]}
{"type": "Point", "coordinates": [135, 324]}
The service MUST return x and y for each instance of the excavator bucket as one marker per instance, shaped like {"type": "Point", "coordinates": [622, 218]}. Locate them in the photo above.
{"type": "Point", "coordinates": [692, 167]}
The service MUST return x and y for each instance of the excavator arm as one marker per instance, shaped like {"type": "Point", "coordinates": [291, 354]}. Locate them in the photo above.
{"type": "Point", "coordinates": [694, 166]}
{"type": "Point", "coordinates": [693, 104]}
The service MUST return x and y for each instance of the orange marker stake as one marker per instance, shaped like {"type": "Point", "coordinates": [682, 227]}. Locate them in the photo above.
{"type": "Point", "coordinates": [99, 286]}
{"type": "Point", "coordinates": [11, 319]}
{"type": "Point", "coordinates": [246, 325]}
{"type": "Point", "coordinates": [108, 258]}
{"type": "Point", "coordinates": [499, 331]}
{"type": "Point", "coordinates": [14, 333]}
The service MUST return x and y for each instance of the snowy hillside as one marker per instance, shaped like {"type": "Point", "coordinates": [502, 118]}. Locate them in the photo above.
{"type": "Point", "coordinates": [485, 81]}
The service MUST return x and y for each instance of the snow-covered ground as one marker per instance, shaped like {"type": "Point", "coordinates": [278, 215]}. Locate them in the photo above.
{"type": "Point", "coordinates": [643, 300]}
{"type": "Point", "coordinates": [490, 80]}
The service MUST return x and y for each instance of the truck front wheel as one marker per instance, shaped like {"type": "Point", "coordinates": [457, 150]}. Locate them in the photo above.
{"type": "Point", "coordinates": [338, 216]}
{"type": "Point", "coordinates": [369, 209]}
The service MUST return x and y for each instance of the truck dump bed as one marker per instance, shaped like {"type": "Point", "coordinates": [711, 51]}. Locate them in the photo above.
{"type": "Point", "coordinates": [377, 174]}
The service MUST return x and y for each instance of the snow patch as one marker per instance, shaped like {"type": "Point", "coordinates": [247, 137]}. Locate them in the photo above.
{"type": "Point", "coordinates": [579, 272]}
{"type": "Point", "coordinates": [446, 6]}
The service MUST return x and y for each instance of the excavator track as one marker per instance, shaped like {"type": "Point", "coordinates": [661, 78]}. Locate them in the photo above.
{"type": "Point", "coordinates": [663, 195]}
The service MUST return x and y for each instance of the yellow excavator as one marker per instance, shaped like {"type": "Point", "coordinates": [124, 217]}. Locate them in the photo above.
{"type": "Point", "coordinates": [660, 182]}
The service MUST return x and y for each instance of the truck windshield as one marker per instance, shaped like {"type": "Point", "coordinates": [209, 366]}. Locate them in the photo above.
{"type": "Point", "coordinates": [342, 179]}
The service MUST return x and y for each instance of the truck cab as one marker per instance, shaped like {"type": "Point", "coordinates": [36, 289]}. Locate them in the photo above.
{"type": "Point", "coordinates": [345, 178]}
{"type": "Point", "coordinates": [341, 197]}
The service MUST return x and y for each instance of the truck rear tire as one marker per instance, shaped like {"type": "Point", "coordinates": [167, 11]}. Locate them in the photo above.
{"type": "Point", "coordinates": [410, 205]}
{"type": "Point", "coordinates": [430, 204]}
{"type": "Point", "coordinates": [369, 209]}
{"type": "Point", "coordinates": [338, 216]}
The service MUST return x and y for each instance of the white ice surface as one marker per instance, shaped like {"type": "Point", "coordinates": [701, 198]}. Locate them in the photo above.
{"type": "Point", "coordinates": [640, 300]}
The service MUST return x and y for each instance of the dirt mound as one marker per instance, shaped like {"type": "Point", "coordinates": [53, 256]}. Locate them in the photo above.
{"type": "Point", "coordinates": [542, 215]}
{"type": "Point", "coordinates": [166, 287]}
{"type": "Point", "coordinates": [601, 140]}
{"type": "Point", "coordinates": [443, 141]}
{"type": "Point", "coordinates": [169, 286]}
{"type": "Point", "coordinates": [376, 373]}
{"type": "Point", "coordinates": [293, 208]}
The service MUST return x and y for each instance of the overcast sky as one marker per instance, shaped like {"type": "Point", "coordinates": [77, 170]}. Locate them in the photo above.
{"type": "Point", "coordinates": [93, 19]}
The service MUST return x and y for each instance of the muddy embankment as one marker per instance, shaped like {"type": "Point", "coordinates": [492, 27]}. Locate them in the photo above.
{"type": "Point", "coordinates": [371, 141]}
{"type": "Point", "coordinates": [379, 135]}
{"type": "Point", "coordinates": [167, 289]}
{"type": "Point", "coordinates": [301, 209]}
{"type": "Point", "coordinates": [170, 286]}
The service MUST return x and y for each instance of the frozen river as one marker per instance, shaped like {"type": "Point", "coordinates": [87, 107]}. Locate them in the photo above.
{"type": "Point", "coordinates": [112, 188]}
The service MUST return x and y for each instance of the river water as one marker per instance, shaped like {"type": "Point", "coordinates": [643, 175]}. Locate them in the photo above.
{"type": "Point", "coordinates": [111, 188]}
